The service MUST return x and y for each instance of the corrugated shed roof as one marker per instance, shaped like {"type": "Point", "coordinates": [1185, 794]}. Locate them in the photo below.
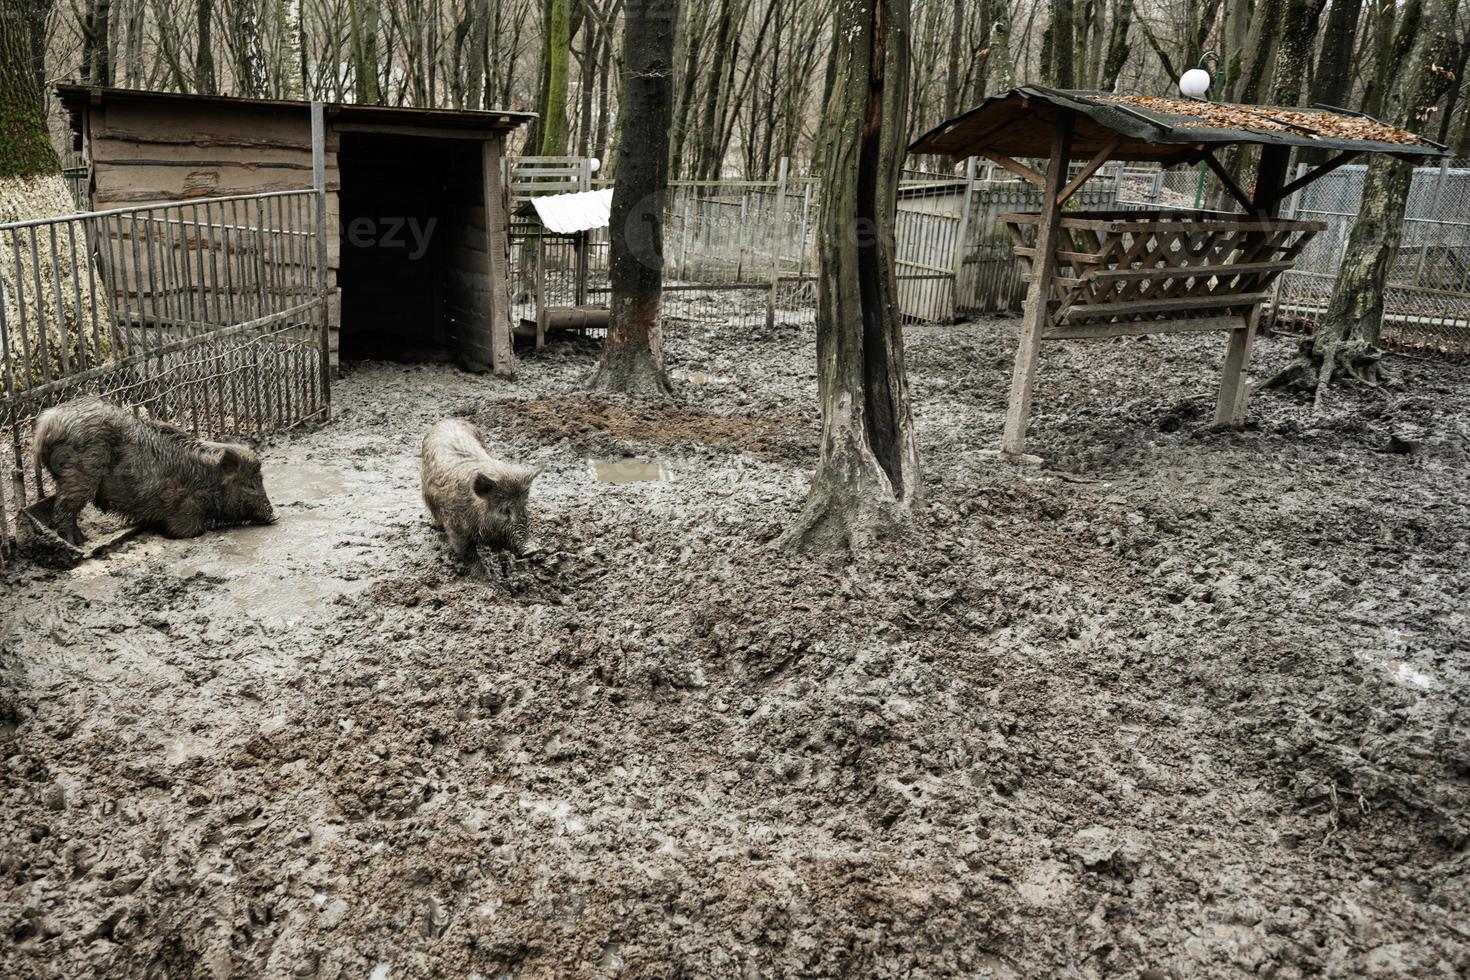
{"type": "Point", "coordinates": [564, 214]}
{"type": "Point", "coordinates": [1020, 124]}
{"type": "Point", "coordinates": [75, 97]}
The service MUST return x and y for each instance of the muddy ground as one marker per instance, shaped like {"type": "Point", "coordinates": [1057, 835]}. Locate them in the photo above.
{"type": "Point", "coordinates": [1176, 703]}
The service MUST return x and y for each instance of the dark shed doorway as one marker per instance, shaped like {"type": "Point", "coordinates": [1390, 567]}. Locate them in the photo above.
{"type": "Point", "coordinates": [413, 272]}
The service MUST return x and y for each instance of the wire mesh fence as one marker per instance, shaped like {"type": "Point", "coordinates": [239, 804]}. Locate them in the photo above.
{"type": "Point", "coordinates": [208, 314]}
{"type": "Point", "coordinates": [757, 239]}
{"type": "Point", "coordinates": [955, 260]}
{"type": "Point", "coordinates": [1427, 301]}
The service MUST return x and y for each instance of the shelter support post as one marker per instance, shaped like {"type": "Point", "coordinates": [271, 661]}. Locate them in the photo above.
{"type": "Point", "coordinates": [497, 247]}
{"type": "Point", "coordinates": [1230, 405]}
{"type": "Point", "coordinates": [319, 185]}
{"type": "Point", "coordinates": [1044, 264]}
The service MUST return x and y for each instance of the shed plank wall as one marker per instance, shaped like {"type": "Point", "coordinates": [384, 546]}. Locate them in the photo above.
{"type": "Point", "coordinates": [140, 155]}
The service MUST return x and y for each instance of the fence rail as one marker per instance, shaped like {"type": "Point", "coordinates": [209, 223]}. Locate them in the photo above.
{"type": "Point", "coordinates": [209, 314]}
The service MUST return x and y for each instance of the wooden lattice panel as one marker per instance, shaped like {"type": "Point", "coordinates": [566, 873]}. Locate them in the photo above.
{"type": "Point", "coordinates": [1138, 272]}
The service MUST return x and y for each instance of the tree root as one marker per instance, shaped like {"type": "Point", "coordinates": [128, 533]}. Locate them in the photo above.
{"type": "Point", "coordinates": [1347, 362]}
{"type": "Point", "coordinates": [637, 375]}
{"type": "Point", "coordinates": [851, 505]}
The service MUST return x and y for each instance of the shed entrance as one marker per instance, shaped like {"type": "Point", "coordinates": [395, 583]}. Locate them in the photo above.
{"type": "Point", "coordinates": [412, 231]}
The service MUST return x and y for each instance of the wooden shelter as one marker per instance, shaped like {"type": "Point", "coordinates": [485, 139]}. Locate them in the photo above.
{"type": "Point", "coordinates": [417, 251]}
{"type": "Point", "coordinates": [1126, 273]}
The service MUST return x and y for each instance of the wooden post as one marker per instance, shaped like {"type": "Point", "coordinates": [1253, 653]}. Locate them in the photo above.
{"type": "Point", "coordinates": [497, 247]}
{"type": "Point", "coordinates": [319, 184]}
{"type": "Point", "coordinates": [1230, 405]}
{"type": "Point", "coordinates": [776, 243]}
{"type": "Point", "coordinates": [1043, 265]}
{"type": "Point", "coordinates": [579, 243]}
{"type": "Point", "coordinates": [541, 289]}
{"type": "Point", "coordinates": [806, 205]}
{"type": "Point", "coordinates": [961, 244]}
{"type": "Point", "coordinates": [684, 238]}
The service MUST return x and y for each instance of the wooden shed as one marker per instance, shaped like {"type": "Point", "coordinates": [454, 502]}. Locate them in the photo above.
{"type": "Point", "coordinates": [417, 251]}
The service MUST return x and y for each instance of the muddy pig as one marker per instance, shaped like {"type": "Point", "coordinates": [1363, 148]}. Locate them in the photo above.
{"type": "Point", "coordinates": [476, 498]}
{"type": "Point", "coordinates": [155, 474]}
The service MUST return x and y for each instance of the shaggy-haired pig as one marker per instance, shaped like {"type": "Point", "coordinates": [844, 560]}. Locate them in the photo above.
{"type": "Point", "coordinates": [476, 498]}
{"type": "Point", "coordinates": [154, 474]}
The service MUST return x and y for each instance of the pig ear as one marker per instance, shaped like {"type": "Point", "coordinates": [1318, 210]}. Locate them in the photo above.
{"type": "Point", "coordinates": [230, 462]}
{"type": "Point", "coordinates": [484, 485]}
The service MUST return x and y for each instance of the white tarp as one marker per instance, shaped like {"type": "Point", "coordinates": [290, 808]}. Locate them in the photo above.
{"type": "Point", "coordinates": [564, 214]}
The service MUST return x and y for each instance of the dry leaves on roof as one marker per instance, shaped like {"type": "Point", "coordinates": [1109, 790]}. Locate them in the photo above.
{"type": "Point", "coordinates": [1313, 122]}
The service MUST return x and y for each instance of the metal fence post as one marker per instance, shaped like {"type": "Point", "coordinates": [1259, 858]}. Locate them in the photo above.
{"type": "Point", "coordinates": [1431, 219]}
{"type": "Point", "coordinates": [776, 242]}
{"type": "Point", "coordinates": [319, 184]}
{"type": "Point", "coordinates": [806, 206]}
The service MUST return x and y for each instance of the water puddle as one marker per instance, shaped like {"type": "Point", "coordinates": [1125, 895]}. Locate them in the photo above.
{"type": "Point", "coordinates": [259, 565]}
{"type": "Point", "coordinates": [698, 377]}
{"type": "Point", "coordinates": [297, 482]}
{"type": "Point", "coordinates": [630, 471]}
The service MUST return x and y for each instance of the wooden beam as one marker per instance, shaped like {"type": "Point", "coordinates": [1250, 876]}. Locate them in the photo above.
{"type": "Point", "coordinates": [1225, 178]}
{"type": "Point", "coordinates": [1322, 171]}
{"type": "Point", "coordinates": [1020, 170]}
{"type": "Point", "coordinates": [1090, 168]}
{"type": "Point", "coordinates": [497, 255]}
{"type": "Point", "coordinates": [1037, 296]}
{"type": "Point", "coordinates": [1230, 403]}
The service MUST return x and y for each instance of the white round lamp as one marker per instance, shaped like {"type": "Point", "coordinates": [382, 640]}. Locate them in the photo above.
{"type": "Point", "coordinates": [1195, 83]}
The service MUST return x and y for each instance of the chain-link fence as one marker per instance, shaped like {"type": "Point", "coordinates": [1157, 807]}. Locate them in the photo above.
{"type": "Point", "coordinates": [1427, 302]}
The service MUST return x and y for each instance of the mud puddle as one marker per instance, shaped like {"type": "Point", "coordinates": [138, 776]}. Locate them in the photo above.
{"type": "Point", "coordinates": [631, 471]}
{"type": "Point", "coordinates": [699, 377]}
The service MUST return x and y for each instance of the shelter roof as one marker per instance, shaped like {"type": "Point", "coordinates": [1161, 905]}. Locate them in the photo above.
{"type": "Point", "coordinates": [1020, 123]}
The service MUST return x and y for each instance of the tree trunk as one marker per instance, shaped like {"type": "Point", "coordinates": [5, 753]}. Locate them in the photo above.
{"type": "Point", "coordinates": [1061, 44]}
{"type": "Point", "coordinates": [25, 146]}
{"type": "Point", "coordinates": [101, 38]}
{"type": "Point", "coordinates": [1117, 54]}
{"type": "Point", "coordinates": [867, 479]}
{"type": "Point", "coordinates": [633, 356]}
{"type": "Point", "coordinates": [553, 142]}
{"type": "Point", "coordinates": [1000, 49]}
{"type": "Point", "coordinates": [1298, 33]}
{"type": "Point", "coordinates": [1339, 38]}
{"type": "Point", "coordinates": [204, 54]}
{"type": "Point", "coordinates": [952, 79]}
{"type": "Point", "coordinates": [1385, 54]}
{"type": "Point", "coordinates": [1345, 342]}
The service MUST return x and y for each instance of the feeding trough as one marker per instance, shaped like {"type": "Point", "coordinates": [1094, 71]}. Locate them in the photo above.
{"type": "Point", "coordinates": [36, 540]}
{"type": "Point", "coordinates": [1119, 273]}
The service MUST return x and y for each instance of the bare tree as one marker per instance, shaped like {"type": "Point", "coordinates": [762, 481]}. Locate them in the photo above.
{"type": "Point", "coordinates": [867, 478]}
{"type": "Point", "coordinates": [633, 355]}
{"type": "Point", "coordinates": [25, 147]}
